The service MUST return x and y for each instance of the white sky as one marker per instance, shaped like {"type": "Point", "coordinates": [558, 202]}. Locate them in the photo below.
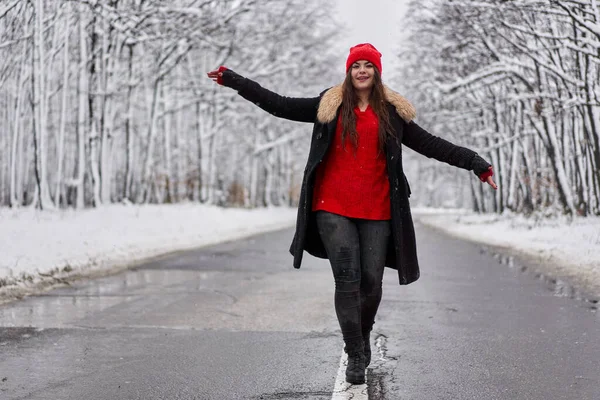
{"type": "Point", "coordinates": [378, 22]}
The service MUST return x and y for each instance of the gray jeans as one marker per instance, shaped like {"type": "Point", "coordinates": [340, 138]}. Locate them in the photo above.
{"type": "Point", "coordinates": [356, 249]}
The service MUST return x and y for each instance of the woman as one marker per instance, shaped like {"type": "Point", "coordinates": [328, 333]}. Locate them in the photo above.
{"type": "Point", "coordinates": [353, 206]}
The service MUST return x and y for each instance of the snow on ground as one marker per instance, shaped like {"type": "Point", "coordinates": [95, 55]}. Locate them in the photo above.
{"type": "Point", "coordinates": [563, 248]}
{"type": "Point", "coordinates": [41, 247]}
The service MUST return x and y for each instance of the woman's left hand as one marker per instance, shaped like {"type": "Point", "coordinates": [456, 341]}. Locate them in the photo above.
{"type": "Point", "coordinates": [491, 182]}
{"type": "Point", "coordinates": [217, 75]}
{"type": "Point", "coordinates": [487, 177]}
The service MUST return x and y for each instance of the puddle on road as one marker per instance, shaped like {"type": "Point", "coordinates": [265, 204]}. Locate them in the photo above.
{"type": "Point", "coordinates": [381, 345]}
{"type": "Point", "coordinates": [558, 286]}
{"type": "Point", "coordinates": [65, 306]}
{"type": "Point", "coordinates": [11, 335]}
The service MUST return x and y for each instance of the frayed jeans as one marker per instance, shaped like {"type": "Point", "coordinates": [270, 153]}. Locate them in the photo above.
{"type": "Point", "coordinates": [356, 249]}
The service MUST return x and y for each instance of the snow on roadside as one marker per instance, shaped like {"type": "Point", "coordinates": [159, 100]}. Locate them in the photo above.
{"type": "Point", "coordinates": [567, 249]}
{"type": "Point", "coordinates": [44, 245]}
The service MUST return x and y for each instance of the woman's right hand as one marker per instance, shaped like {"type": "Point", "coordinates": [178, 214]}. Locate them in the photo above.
{"type": "Point", "coordinates": [217, 75]}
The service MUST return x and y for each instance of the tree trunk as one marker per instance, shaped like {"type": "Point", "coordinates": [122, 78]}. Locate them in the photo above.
{"type": "Point", "coordinates": [15, 183]}
{"type": "Point", "coordinates": [92, 123]}
{"type": "Point", "coordinates": [213, 170]}
{"type": "Point", "coordinates": [41, 111]}
{"type": "Point", "coordinates": [180, 156]}
{"type": "Point", "coordinates": [106, 114]}
{"type": "Point", "coordinates": [168, 162]}
{"type": "Point", "coordinates": [129, 153]}
{"type": "Point", "coordinates": [146, 175]}
{"type": "Point", "coordinates": [254, 172]}
{"type": "Point", "coordinates": [63, 114]}
{"type": "Point", "coordinates": [199, 134]}
{"type": "Point", "coordinates": [81, 114]}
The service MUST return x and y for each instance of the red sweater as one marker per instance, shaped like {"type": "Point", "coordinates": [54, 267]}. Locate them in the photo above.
{"type": "Point", "coordinates": [354, 182]}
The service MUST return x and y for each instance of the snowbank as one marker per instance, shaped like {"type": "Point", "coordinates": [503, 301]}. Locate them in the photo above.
{"type": "Point", "coordinates": [40, 247]}
{"type": "Point", "coordinates": [565, 249]}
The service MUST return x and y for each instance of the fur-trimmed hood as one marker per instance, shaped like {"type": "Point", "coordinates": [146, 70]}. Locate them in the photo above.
{"type": "Point", "coordinates": [332, 99]}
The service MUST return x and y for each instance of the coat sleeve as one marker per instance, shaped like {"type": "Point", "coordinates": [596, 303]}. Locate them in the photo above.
{"type": "Point", "coordinates": [432, 146]}
{"type": "Point", "coordinates": [292, 108]}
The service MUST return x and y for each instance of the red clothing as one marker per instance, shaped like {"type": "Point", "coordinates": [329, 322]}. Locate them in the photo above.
{"type": "Point", "coordinates": [483, 177]}
{"type": "Point", "coordinates": [354, 182]}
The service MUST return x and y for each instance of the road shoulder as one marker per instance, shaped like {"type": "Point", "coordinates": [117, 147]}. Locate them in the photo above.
{"type": "Point", "coordinates": [562, 252]}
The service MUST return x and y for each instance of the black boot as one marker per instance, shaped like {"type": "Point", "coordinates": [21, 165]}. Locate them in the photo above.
{"type": "Point", "coordinates": [367, 349]}
{"type": "Point", "coordinates": [355, 370]}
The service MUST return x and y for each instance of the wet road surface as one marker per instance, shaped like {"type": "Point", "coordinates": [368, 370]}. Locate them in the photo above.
{"type": "Point", "coordinates": [236, 321]}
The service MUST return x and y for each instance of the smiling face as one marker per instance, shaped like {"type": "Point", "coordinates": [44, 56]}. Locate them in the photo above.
{"type": "Point", "coordinates": [362, 73]}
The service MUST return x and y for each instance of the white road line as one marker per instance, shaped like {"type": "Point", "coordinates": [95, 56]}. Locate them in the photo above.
{"type": "Point", "coordinates": [343, 390]}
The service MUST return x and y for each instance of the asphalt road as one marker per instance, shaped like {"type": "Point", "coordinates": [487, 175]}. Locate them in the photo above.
{"type": "Point", "coordinates": [236, 321]}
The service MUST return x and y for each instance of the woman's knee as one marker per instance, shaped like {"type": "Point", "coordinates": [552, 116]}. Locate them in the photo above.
{"type": "Point", "coordinates": [347, 286]}
{"type": "Point", "coordinates": [371, 286]}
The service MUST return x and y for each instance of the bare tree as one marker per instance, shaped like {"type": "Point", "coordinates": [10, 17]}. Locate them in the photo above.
{"type": "Point", "coordinates": [519, 81]}
{"type": "Point", "coordinates": [146, 124]}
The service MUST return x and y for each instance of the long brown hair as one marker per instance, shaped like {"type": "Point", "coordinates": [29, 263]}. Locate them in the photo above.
{"type": "Point", "coordinates": [378, 103]}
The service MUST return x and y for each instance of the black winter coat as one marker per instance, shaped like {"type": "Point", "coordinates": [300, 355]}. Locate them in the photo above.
{"type": "Point", "coordinates": [323, 112]}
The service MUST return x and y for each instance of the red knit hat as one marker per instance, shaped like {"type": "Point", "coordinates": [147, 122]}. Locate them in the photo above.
{"type": "Point", "coordinates": [364, 51]}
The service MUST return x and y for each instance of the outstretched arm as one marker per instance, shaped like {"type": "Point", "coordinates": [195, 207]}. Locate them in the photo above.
{"type": "Point", "coordinates": [293, 108]}
{"type": "Point", "coordinates": [432, 146]}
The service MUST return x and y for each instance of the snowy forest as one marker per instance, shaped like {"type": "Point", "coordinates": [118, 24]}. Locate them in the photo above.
{"type": "Point", "coordinates": [519, 82]}
{"type": "Point", "coordinates": [107, 101]}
